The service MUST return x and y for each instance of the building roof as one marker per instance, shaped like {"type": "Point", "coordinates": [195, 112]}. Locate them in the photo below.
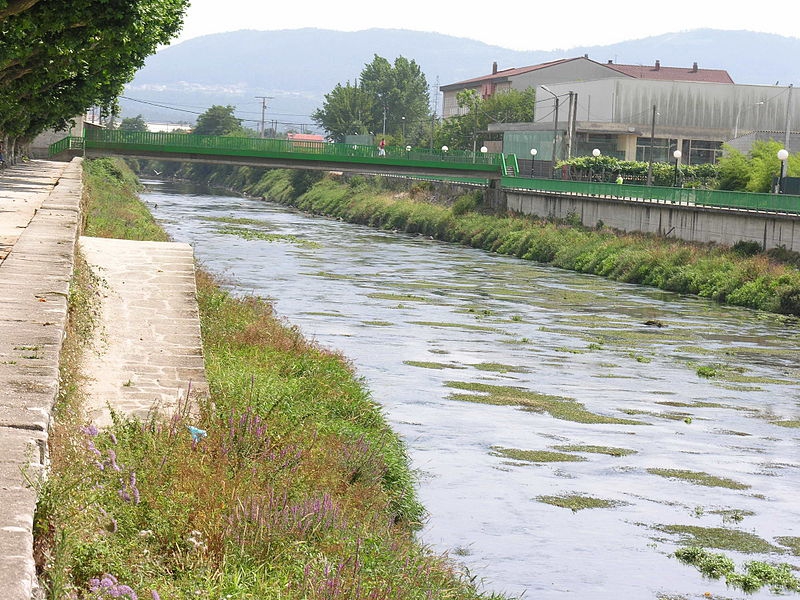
{"type": "Point", "coordinates": [661, 73]}
{"type": "Point", "coordinates": [657, 72]}
{"type": "Point", "coordinates": [305, 137]}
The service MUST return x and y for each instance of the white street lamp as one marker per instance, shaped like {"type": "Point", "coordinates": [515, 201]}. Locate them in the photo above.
{"type": "Point", "coordinates": [534, 152]}
{"type": "Point", "coordinates": [445, 148]}
{"type": "Point", "coordinates": [596, 152]}
{"type": "Point", "coordinates": [782, 156]}
{"type": "Point", "coordinates": [677, 155]}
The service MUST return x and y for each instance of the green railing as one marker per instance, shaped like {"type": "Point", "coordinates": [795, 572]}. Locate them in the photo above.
{"type": "Point", "coordinates": [180, 143]}
{"type": "Point", "coordinates": [782, 203]}
{"type": "Point", "coordinates": [64, 144]}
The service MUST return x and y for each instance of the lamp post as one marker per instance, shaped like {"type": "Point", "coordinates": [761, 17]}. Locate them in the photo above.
{"type": "Point", "coordinates": [595, 153]}
{"type": "Point", "coordinates": [677, 155]}
{"type": "Point", "coordinates": [403, 119]}
{"type": "Point", "coordinates": [534, 152]}
{"type": "Point", "coordinates": [782, 156]}
{"type": "Point", "coordinates": [555, 125]}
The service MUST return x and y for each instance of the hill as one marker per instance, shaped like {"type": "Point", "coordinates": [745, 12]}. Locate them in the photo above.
{"type": "Point", "coordinates": [295, 68]}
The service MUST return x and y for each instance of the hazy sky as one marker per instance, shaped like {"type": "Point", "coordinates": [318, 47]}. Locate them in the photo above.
{"type": "Point", "coordinates": [534, 25]}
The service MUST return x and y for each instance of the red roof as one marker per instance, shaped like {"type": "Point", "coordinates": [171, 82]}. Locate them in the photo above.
{"type": "Point", "coordinates": [305, 137]}
{"type": "Point", "coordinates": [655, 71]}
{"type": "Point", "coordinates": [658, 72]}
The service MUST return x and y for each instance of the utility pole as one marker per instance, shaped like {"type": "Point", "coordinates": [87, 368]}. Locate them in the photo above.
{"type": "Point", "coordinates": [652, 143]}
{"type": "Point", "coordinates": [788, 120]}
{"type": "Point", "coordinates": [263, 110]}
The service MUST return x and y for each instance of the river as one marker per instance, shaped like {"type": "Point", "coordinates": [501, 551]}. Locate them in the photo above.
{"type": "Point", "coordinates": [520, 388]}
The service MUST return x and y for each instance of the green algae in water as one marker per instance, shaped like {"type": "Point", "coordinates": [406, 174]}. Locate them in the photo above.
{"type": "Point", "coordinates": [576, 502]}
{"type": "Point", "coordinates": [431, 365]}
{"type": "Point", "coordinates": [250, 234]}
{"type": "Point", "coordinates": [535, 456]}
{"type": "Point", "coordinates": [500, 368]}
{"type": "Point", "coordinates": [790, 542]}
{"type": "Point", "coordinates": [721, 538]}
{"type": "Point", "coordinates": [397, 297]}
{"type": "Point", "coordinates": [453, 325]}
{"type": "Point", "coordinates": [379, 323]}
{"type": "Point", "coordinates": [792, 423]}
{"type": "Point", "coordinates": [558, 407]}
{"type": "Point", "coordinates": [671, 416]}
{"type": "Point", "coordinates": [239, 221]}
{"type": "Point", "coordinates": [610, 451]}
{"type": "Point", "coordinates": [699, 478]}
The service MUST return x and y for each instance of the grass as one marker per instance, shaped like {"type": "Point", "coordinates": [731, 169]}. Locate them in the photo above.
{"type": "Point", "coordinates": [287, 484]}
{"type": "Point", "coordinates": [610, 451]}
{"type": "Point", "coordinates": [699, 478]}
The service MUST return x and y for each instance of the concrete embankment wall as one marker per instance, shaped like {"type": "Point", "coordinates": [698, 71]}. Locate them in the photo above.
{"type": "Point", "coordinates": [34, 286]}
{"type": "Point", "coordinates": [680, 221]}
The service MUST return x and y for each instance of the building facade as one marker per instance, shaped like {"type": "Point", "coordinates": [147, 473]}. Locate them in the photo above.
{"type": "Point", "coordinates": [631, 111]}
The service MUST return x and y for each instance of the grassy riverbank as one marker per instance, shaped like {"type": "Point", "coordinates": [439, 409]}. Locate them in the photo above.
{"type": "Point", "coordinates": [295, 489]}
{"type": "Point", "coordinates": [741, 276]}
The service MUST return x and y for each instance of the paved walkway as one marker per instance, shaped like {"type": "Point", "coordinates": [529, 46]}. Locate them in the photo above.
{"type": "Point", "coordinates": [147, 350]}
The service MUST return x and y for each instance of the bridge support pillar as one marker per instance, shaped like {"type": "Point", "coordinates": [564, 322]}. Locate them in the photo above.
{"type": "Point", "coordinates": [494, 196]}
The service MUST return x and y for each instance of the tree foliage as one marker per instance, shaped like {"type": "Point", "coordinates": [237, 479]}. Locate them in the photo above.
{"type": "Point", "coordinates": [463, 131]}
{"type": "Point", "coordinates": [136, 123]}
{"type": "Point", "coordinates": [219, 120]}
{"type": "Point", "coordinates": [756, 170]}
{"type": "Point", "coordinates": [388, 97]}
{"type": "Point", "coordinates": [59, 57]}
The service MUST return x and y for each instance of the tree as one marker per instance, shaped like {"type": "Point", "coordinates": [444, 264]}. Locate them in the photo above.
{"type": "Point", "coordinates": [755, 171]}
{"type": "Point", "coordinates": [463, 131]}
{"type": "Point", "coordinates": [59, 57]}
{"type": "Point", "coordinates": [218, 120]}
{"type": "Point", "coordinates": [136, 123]}
{"type": "Point", "coordinates": [347, 109]}
{"type": "Point", "coordinates": [390, 99]}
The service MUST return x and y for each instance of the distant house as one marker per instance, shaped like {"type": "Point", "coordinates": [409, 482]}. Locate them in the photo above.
{"type": "Point", "coordinates": [629, 111]}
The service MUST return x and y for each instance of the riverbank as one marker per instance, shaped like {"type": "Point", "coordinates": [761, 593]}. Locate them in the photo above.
{"type": "Point", "coordinates": [288, 484]}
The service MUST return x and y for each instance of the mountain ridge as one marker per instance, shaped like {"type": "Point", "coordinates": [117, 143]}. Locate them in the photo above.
{"type": "Point", "coordinates": [295, 68]}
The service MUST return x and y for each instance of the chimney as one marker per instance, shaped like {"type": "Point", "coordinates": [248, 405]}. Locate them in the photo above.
{"type": "Point", "coordinates": [585, 56]}
{"type": "Point", "coordinates": [694, 68]}
{"type": "Point", "coordinates": [611, 62]}
{"type": "Point", "coordinates": [494, 68]}
{"type": "Point", "coordinates": [658, 65]}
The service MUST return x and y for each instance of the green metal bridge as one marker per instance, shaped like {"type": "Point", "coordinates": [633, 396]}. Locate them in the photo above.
{"type": "Point", "coordinates": [498, 171]}
{"type": "Point", "coordinates": [276, 153]}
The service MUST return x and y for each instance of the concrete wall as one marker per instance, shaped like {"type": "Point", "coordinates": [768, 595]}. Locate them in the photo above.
{"type": "Point", "coordinates": [669, 220]}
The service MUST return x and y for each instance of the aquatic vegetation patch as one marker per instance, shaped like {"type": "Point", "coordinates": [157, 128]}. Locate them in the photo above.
{"type": "Point", "coordinates": [756, 575]}
{"type": "Point", "coordinates": [238, 221]}
{"type": "Point", "coordinates": [453, 325]}
{"type": "Point", "coordinates": [721, 538]}
{"type": "Point", "coordinates": [790, 542]}
{"type": "Point", "coordinates": [535, 456]}
{"type": "Point", "coordinates": [608, 450]}
{"type": "Point", "coordinates": [699, 478]}
{"type": "Point", "coordinates": [576, 502]}
{"type": "Point", "coordinates": [500, 368]}
{"type": "Point", "coordinates": [379, 323]}
{"type": "Point", "coordinates": [397, 297]}
{"type": "Point", "coordinates": [733, 515]}
{"type": "Point", "coordinates": [559, 407]}
{"type": "Point", "coordinates": [697, 404]}
{"type": "Point", "coordinates": [431, 365]}
{"type": "Point", "coordinates": [665, 415]}
{"type": "Point", "coordinates": [252, 234]}
{"type": "Point", "coordinates": [795, 423]}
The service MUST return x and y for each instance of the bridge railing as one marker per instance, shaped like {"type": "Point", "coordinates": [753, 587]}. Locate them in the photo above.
{"type": "Point", "coordinates": [782, 203]}
{"type": "Point", "coordinates": [246, 146]}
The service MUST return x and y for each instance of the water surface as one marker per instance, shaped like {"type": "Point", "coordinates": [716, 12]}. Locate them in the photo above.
{"type": "Point", "coordinates": [614, 376]}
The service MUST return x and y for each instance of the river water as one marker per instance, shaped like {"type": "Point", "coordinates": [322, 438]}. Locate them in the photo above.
{"type": "Point", "coordinates": [496, 370]}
